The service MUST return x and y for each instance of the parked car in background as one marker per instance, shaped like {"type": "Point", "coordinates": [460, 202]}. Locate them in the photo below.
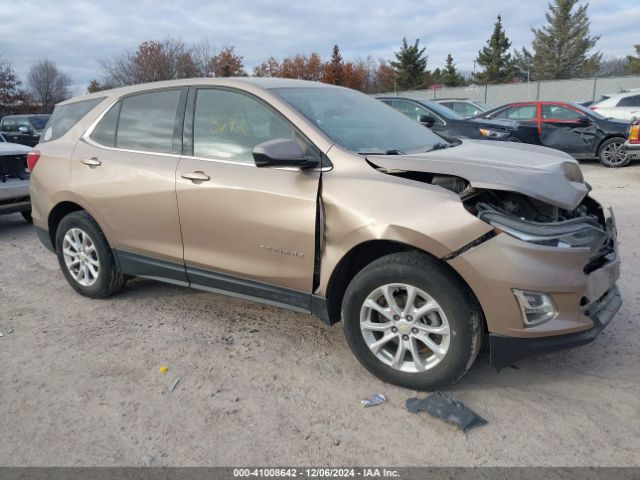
{"type": "Point", "coordinates": [449, 124]}
{"type": "Point", "coordinates": [632, 145]}
{"type": "Point", "coordinates": [624, 105]}
{"type": "Point", "coordinates": [14, 179]}
{"type": "Point", "coordinates": [23, 129]}
{"type": "Point", "coordinates": [463, 106]}
{"type": "Point", "coordinates": [572, 128]}
{"type": "Point", "coordinates": [322, 199]}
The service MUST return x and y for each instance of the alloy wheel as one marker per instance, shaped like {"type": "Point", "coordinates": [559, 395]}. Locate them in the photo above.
{"type": "Point", "coordinates": [404, 327]}
{"type": "Point", "coordinates": [80, 257]}
{"type": "Point", "coordinates": [614, 154]}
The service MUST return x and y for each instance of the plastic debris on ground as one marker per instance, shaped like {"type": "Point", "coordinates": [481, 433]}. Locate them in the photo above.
{"type": "Point", "coordinates": [163, 369]}
{"type": "Point", "coordinates": [175, 384]}
{"type": "Point", "coordinates": [448, 408]}
{"type": "Point", "coordinates": [373, 400]}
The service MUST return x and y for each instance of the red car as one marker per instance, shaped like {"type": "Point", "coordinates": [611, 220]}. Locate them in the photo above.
{"type": "Point", "coordinates": [570, 127]}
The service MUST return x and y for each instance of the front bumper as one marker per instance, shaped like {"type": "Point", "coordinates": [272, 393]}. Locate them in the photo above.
{"type": "Point", "coordinates": [508, 350]}
{"type": "Point", "coordinates": [632, 150]}
{"type": "Point", "coordinates": [585, 294]}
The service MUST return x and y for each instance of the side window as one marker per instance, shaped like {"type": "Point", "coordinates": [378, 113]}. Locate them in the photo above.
{"type": "Point", "coordinates": [558, 112]}
{"type": "Point", "coordinates": [410, 109]}
{"type": "Point", "coordinates": [23, 122]}
{"type": "Point", "coordinates": [105, 131]}
{"type": "Point", "coordinates": [632, 101]}
{"type": "Point", "coordinates": [523, 112]}
{"type": "Point", "coordinates": [500, 113]}
{"type": "Point", "coordinates": [227, 125]}
{"type": "Point", "coordinates": [9, 125]}
{"type": "Point", "coordinates": [147, 121]}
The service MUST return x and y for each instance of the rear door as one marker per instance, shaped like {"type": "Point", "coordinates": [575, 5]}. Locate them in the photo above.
{"type": "Point", "coordinates": [567, 129]}
{"type": "Point", "coordinates": [124, 171]}
{"type": "Point", "coordinates": [245, 229]}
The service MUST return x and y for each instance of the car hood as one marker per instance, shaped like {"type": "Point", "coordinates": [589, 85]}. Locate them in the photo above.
{"type": "Point", "coordinates": [7, 148]}
{"type": "Point", "coordinates": [488, 123]}
{"type": "Point", "coordinates": [531, 170]}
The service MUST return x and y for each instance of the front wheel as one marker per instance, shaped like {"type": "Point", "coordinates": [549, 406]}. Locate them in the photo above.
{"type": "Point", "coordinates": [85, 257]}
{"type": "Point", "coordinates": [412, 322]}
{"type": "Point", "coordinates": [612, 153]}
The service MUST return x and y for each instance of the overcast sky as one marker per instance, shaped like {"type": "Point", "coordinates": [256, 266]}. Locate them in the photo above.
{"type": "Point", "coordinates": [76, 34]}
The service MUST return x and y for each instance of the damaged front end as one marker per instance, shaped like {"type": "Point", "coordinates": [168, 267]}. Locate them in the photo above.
{"type": "Point", "coordinates": [546, 274]}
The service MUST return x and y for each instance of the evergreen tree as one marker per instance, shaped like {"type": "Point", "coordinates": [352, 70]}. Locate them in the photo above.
{"type": "Point", "coordinates": [436, 76]}
{"type": "Point", "coordinates": [410, 65]}
{"type": "Point", "coordinates": [334, 70]}
{"type": "Point", "coordinates": [560, 49]}
{"type": "Point", "coordinates": [494, 58]}
{"type": "Point", "coordinates": [450, 75]}
{"type": "Point", "coordinates": [523, 65]}
{"type": "Point", "coordinates": [633, 62]}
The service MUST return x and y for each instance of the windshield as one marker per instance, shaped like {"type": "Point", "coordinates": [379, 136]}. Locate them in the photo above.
{"type": "Point", "coordinates": [442, 110]}
{"type": "Point", "coordinates": [39, 122]}
{"type": "Point", "coordinates": [358, 122]}
{"type": "Point", "coordinates": [588, 111]}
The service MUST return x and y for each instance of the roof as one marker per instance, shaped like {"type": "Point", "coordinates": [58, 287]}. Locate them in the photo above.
{"type": "Point", "coordinates": [264, 83]}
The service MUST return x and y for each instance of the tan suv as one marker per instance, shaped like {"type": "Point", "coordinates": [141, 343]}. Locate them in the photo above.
{"type": "Point", "coordinates": [326, 201]}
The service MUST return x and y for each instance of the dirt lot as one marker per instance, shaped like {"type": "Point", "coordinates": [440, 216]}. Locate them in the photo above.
{"type": "Point", "coordinates": [79, 379]}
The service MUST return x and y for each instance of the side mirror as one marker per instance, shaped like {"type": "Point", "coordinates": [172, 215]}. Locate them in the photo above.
{"type": "Point", "coordinates": [24, 130]}
{"type": "Point", "coordinates": [281, 153]}
{"type": "Point", "coordinates": [426, 120]}
{"type": "Point", "coordinates": [584, 120]}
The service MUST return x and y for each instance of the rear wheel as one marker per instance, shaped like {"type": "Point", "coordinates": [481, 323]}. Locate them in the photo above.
{"type": "Point", "coordinates": [612, 153]}
{"type": "Point", "coordinates": [85, 257]}
{"type": "Point", "coordinates": [411, 322]}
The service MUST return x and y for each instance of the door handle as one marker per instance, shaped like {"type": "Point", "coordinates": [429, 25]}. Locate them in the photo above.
{"type": "Point", "coordinates": [92, 162]}
{"type": "Point", "coordinates": [196, 176]}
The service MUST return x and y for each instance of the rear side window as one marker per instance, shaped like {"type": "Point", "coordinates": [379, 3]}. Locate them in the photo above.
{"type": "Point", "coordinates": [147, 121]}
{"type": "Point", "coordinates": [66, 116]}
{"type": "Point", "coordinates": [523, 112]}
{"type": "Point", "coordinates": [632, 101]}
{"type": "Point", "coordinates": [105, 131]}
{"type": "Point", "coordinates": [558, 112]}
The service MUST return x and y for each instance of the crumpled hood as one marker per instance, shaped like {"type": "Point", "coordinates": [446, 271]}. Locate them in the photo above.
{"type": "Point", "coordinates": [531, 170]}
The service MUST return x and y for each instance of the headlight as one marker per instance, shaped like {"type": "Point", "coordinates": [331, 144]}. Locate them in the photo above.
{"type": "Point", "coordinates": [573, 233]}
{"type": "Point", "coordinates": [487, 132]}
{"type": "Point", "coordinates": [572, 172]}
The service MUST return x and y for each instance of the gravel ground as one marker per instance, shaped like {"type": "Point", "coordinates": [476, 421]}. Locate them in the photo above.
{"type": "Point", "coordinates": [80, 381]}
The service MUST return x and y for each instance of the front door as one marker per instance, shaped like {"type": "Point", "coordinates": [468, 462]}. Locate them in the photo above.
{"type": "Point", "coordinates": [245, 229]}
{"type": "Point", "coordinates": [567, 129]}
{"type": "Point", "coordinates": [126, 179]}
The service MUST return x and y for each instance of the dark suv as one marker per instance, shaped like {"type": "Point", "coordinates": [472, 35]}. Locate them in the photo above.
{"type": "Point", "coordinates": [24, 129]}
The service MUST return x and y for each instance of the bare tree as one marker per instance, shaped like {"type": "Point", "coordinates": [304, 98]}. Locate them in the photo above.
{"type": "Point", "coordinates": [168, 59]}
{"type": "Point", "coordinates": [47, 84]}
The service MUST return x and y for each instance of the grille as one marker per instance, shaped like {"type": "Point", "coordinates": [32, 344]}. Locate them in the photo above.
{"type": "Point", "coordinates": [13, 166]}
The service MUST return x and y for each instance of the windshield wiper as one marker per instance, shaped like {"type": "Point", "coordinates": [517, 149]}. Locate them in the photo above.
{"type": "Point", "coordinates": [440, 146]}
{"type": "Point", "coordinates": [392, 151]}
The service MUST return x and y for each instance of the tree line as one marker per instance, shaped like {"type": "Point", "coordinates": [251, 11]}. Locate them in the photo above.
{"type": "Point", "coordinates": [562, 48]}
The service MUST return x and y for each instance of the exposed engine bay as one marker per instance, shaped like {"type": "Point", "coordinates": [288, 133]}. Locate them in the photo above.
{"type": "Point", "coordinates": [529, 219]}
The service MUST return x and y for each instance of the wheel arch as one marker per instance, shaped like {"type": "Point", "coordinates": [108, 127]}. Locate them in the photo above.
{"type": "Point", "coordinates": [609, 137]}
{"type": "Point", "coordinates": [362, 255]}
{"type": "Point", "coordinates": [57, 213]}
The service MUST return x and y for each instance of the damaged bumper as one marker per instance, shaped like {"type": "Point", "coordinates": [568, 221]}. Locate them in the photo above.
{"type": "Point", "coordinates": [508, 350]}
{"type": "Point", "coordinates": [582, 288]}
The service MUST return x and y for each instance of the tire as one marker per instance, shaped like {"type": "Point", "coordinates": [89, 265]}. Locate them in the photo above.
{"type": "Point", "coordinates": [458, 310]}
{"type": "Point", "coordinates": [611, 153]}
{"type": "Point", "coordinates": [102, 277]}
{"type": "Point", "coordinates": [27, 216]}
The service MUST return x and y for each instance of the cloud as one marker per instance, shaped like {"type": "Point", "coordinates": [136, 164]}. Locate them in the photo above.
{"type": "Point", "coordinates": [77, 34]}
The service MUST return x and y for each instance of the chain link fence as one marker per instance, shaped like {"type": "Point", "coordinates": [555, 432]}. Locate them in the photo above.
{"type": "Point", "coordinates": [578, 90]}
